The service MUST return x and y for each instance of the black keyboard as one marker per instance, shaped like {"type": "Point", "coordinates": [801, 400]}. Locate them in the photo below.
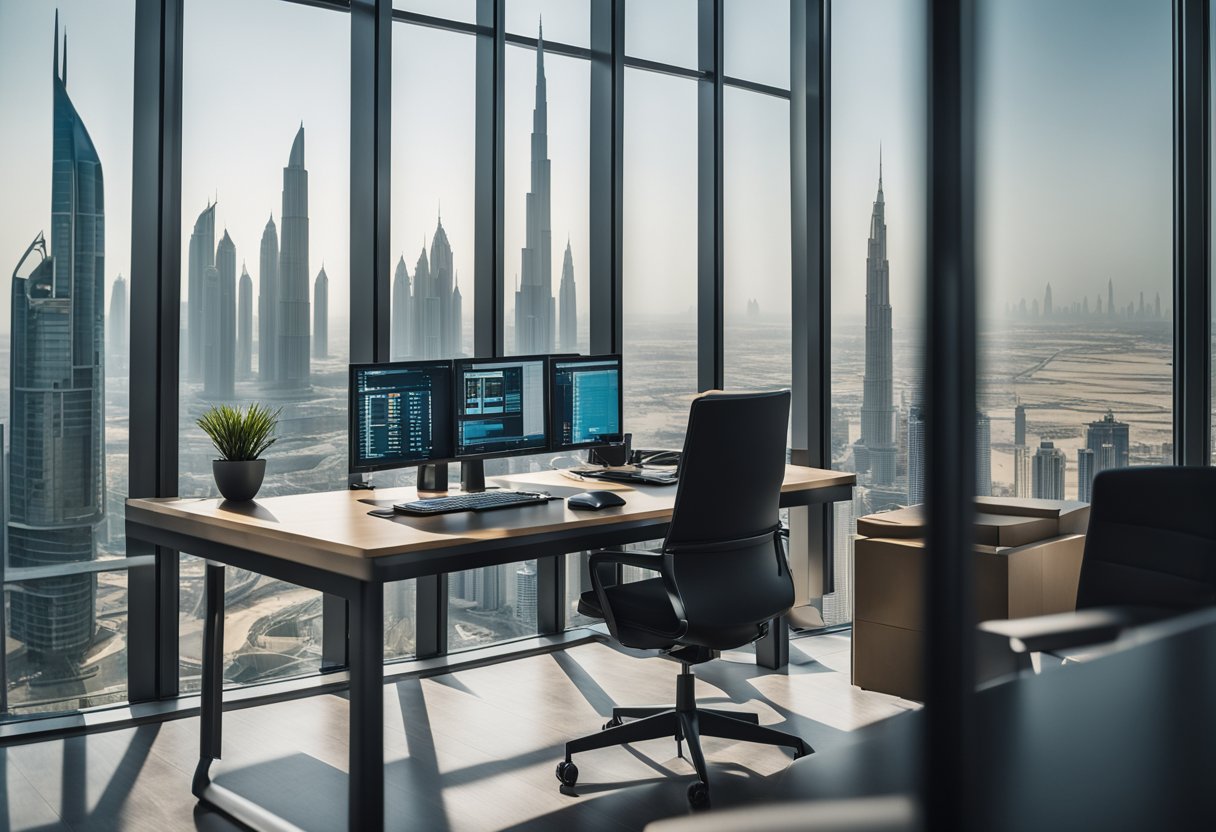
{"type": "Point", "coordinates": [479, 501]}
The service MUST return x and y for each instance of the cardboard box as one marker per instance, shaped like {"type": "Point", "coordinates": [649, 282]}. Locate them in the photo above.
{"type": "Point", "coordinates": [1031, 569]}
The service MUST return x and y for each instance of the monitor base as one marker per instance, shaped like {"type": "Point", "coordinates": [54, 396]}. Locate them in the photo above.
{"type": "Point", "coordinates": [473, 475]}
{"type": "Point", "coordinates": [433, 477]}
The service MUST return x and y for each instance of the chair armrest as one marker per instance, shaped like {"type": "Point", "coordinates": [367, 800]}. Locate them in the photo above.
{"type": "Point", "coordinates": [1068, 630]}
{"type": "Point", "coordinates": [605, 561]}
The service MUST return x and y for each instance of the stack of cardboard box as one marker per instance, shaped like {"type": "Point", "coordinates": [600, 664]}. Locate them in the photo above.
{"type": "Point", "coordinates": [1027, 562]}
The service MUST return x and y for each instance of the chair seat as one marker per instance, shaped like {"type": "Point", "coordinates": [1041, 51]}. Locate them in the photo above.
{"type": "Point", "coordinates": [643, 604]}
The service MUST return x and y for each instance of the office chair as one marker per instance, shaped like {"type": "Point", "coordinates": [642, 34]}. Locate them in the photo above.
{"type": "Point", "coordinates": [1150, 553]}
{"type": "Point", "coordinates": [722, 576]}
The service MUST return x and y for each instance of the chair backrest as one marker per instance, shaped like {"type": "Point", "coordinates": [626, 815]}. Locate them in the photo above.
{"type": "Point", "coordinates": [728, 564]}
{"type": "Point", "coordinates": [1151, 539]}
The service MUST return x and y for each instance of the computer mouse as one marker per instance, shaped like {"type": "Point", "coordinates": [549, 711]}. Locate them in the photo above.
{"type": "Point", "coordinates": [595, 500]}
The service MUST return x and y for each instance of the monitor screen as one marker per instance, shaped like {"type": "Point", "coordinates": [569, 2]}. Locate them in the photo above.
{"type": "Point", "coordinates": [586, 397]}
{"type": "Point", "coordinates": [500, 407]}
{"type": "Point", "coordinates": [400, 413]}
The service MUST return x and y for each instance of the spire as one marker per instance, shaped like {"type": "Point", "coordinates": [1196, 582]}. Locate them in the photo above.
{"type": "Point", "coordinates": [55, 60]}
{"type": "Point", "coordinates": [296, 159]}
{"type": "Point", "coordinates": [439, 212]}
{"type": "Point", "coordinates": [880, 166]}
{"type": "Point", "coordinates": [65, 54]}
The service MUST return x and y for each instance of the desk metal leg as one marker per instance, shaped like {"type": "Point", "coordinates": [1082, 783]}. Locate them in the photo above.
{"type": "Point", "coordinates": [367, 709]}
{"type": "Point", "coordinates": [773, 651]}
{"type": "Point", "coordinates": [211, 705]}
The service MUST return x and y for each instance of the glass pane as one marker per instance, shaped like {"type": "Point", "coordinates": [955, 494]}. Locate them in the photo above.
{"type": "Point", "coordinates": [756, 195]}
{"type": "Point", "coordinates": [266, 184]}
{"type": "Point", "coordinates": [565, 21]}
{"type": "Point", "coordinates": [662, 30]}
{"type": "Point", "coordinates": [660, 256]}
{"type": "Point", "coordinates": [1076, 248]}
{"type": "Point", "coordinates": [547, 226]}
{"type": "Point", "coordinates": [878, 229]}
{"type": "Point", "coordinates": [756, 40]}
{"type": "Point", "coordinates": [462, 10]}
{"type": "Point", "coordinates": [493, 604]}
{"type": "Point", "coordinates": [65, 243]}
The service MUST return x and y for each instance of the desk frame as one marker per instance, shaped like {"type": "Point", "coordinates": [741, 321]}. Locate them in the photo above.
{"type": "Point", "coordinates": [365, 598]}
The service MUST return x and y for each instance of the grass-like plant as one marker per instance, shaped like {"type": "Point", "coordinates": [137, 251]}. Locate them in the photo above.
{"type": "Point", "coordinates": [240, 434]}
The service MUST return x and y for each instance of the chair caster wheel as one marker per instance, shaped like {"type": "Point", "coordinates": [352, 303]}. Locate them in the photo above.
{"type": "Point", "coordinates": [698, 795]}
{"type": "Point", "coordinates": [567, 773]}
{"type": "Point", "coordinates": [615, 722]}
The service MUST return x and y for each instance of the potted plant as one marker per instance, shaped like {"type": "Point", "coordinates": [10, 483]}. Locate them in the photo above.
{"type": "Point", "coordinates": [241, 436]}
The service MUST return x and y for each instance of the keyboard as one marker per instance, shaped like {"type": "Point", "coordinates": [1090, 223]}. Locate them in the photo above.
{"type": "Point", "coordinates": [479, 501]}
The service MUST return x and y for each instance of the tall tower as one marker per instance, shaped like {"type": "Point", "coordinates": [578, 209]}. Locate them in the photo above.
{"type": "Point", "coordinates": [568, 303]}
{"type": "Point", "coordinates": [534, 307]}
{"type": "Point", "coordinates": [876, 451]}
{"type": "Point", "coordinates": [1048, 304]}
{"type": "Point", "coordinates": [1110, 298]}
{"type": "Point", "coordinates": [57, 442]}
{"type": "Point", "coordinates": [219, 323]}
{"type": "Point", "coordinates": [320, 315]}
{"type": "Point", "coordinates": [268, 303]}
{"type": "Point", "coordinates": [1021, 471]}
{"type": "Point", "coordinates": [427, 337]}
{"type": "Point", "coordinates": [1085, 474]}
{"type": "Point", "coordinates": [201, 256]}
{"type": "Point", "coordinates": [983, 455]}
{"type": "Point", "coordinates": [402, 313]}
{"type": "Point", "coordinates": [1047, 472]}
{"type": "Point", "coordinates": [1019, 424]}
{"type": "Point", "coordinates": [443, 283]}
{"type": "Point", "coordinates": [916, 456]}
{"type": "Point", "coordinates": [119, 335]}
{"type": "Point", "coordinates": [291, 362]}
{"type": "Point", "coordinates": [244, 326]}
{"type": "Point", "coordinates": [457, 317]}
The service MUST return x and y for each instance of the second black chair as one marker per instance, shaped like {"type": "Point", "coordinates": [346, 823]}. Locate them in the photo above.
{"type": "Point", "coordinates": [722, 577]}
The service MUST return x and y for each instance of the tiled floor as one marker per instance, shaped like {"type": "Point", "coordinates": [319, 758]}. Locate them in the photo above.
{"type": "Point", "coordinates": [471, 750]}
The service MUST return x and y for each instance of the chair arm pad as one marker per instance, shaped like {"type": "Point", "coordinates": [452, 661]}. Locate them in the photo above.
{"type": "Point", "coordinates": [1068, 630]}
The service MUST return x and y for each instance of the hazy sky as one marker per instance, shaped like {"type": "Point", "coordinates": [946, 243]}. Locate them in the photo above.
{"type": "Point", "coordinates": [1075, 153]}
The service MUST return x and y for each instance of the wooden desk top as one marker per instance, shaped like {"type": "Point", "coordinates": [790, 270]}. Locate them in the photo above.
{"type": "Point", "coordinates": [329, 525]}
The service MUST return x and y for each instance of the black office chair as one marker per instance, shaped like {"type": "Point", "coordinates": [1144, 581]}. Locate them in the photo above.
{"type": "Point", "coordinates": [1150, 553]}
{"type": "Point", "coordinates": [723, 576]}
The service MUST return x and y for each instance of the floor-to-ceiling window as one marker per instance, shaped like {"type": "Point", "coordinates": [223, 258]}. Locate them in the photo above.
{"type": "Point", "coordinates": [65, 238]}
{"type": "Point", "coordinates": [878, 229]}
{"type": "Point", "coordinates": [265, 251]}
{"type": "Point", "coordinates": [1075, 247]}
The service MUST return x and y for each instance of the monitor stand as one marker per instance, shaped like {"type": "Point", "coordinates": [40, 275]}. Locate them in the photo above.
{"type": "Point", "coordinates": [473, 475]}
{"type": "Point", "coordinates": [433, 477]}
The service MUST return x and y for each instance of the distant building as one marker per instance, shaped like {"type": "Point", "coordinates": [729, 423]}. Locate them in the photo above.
{"type": "Point", "coordinates": [1107, 431]}
{"type": "Point", "coordinates": [1110, 298]}
{"type": "Point", "coordinates": [875, 450]}
{"type": "Point", "coordinates": [1048, 305]}
{"type": "Point", "coordinates": [201, 256]}
{"type": "Point", "coordinates": [1019, 424]}
{"type": "Point", "coordinates": [1021, 471]}
{"type": "Point", "coordinates": [916, 456]}
{"type": "Point", "coordinates": [320, 315]}
{"type": "Point", "coordinates": [568, 305]}
{"type": "Point", "coordinates": [292, 368]}
{"type": "Point", "coordinates": [399, 341]}
{"type": "Point", "coordinates": [219, 323]}
{"type": "Point", "coordinates": [525, 596]}
{"type": "Point", "coordinates": [1085, 474]}
{"type": "Point", "coordinates": [435, 324]}
{"type": "Point", "coordinates": [268, 304]}
{"type": "Point", "coordinates": [119, 326]}
{"type": "Point", "coordinates": [244, 326]}
{"type": "Point", "coordinates": [1047, 472]}
{"type": "Point", "coordinates": [983, 455]}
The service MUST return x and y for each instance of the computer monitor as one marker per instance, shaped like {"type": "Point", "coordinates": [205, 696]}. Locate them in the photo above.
{"type": "Point", "coordinates": [400, 414]}
{"type": "Point", "coordinates": [585, 396]}
{"type": "Point", "coordinates": [501, 407]}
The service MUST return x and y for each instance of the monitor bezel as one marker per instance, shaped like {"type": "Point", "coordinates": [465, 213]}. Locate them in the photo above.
{"type": "Point", "coordinates": [554, 445]}
{"type": "Point", "coordinates": [355, 468]}
{"type": "Point", "coordinates": [457, 366]}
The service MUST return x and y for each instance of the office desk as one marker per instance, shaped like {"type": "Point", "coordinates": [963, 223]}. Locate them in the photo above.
{"type": "Point", "coordinates": [328, 542]}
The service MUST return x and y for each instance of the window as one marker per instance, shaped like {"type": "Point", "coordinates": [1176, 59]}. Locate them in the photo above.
{"type": "Point", "coordinates": [566, 21]}
{"type": "Point", "coordinates": [662, 30]}
{"type": "Point", "coordinates": [756, 41]}
{"type": "Point", "coordinates": [265, 205]}
{"type": "Point", "coordinates": [1075, 241]}
{"type": "Point", "coordinates": [878, 229]}
{"type": "Point", "coordinates": [65, 253]}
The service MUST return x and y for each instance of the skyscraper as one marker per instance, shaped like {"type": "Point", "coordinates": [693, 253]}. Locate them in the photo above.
{"type": "Point", "coordinates": [534, 307]}
{"type": "Point", "coordinates": [201, 255]}
{"type": "Point", "coordinates": [525, 595]}
{"type": "Point", "coordinates": [457, 318]}
{"type": "Point", "coordinates": [292, 356]}
{"type": "Point", "coordinates": [568, 305]}
{"type": "Point", "coordinates": [875, 451]}
{"type": "Point", "coordinates": [402, 313]}
{"type": "Point", "coordinates": [1048, 304]}
{"type": "Point", "coordinates": [434, 311]}
{"type": "Point", "coordinates": [983, 455]}
{"type": "Point", "coordinates": [268, 303]}
{"type": "Point", "coordinates": [1110, 299]}
{"type": "Point", "coordinates": [1107, 431]}
{"type": "Point", "coordinates": [219, 323]}
{"type": "Point", "coordinates": [1019, 424]}
{"type": "Point", "coordinates": [1047, 472]}
{"type": "Point", "coordinates": [119, 327]}
{"type": "Point", "coordinates": [1021, 471]}
{"type": "Point", "coordinates": [916, 456]}
{"type": "Point", "coordinates": [1085, 474]}
{"type": "Point", "coordinates": [244, 326]}
{"type": "Point", "coordinates": [443, 285]}
{"type": "Point", "coordinates": [320, 315]}
{"type": "Point", "coordinates": [57, 441]}
{"type": "Point", "coordinates": [426, 338]}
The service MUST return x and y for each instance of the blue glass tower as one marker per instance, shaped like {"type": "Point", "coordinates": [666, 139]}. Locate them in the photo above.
{"type": "Point", "coordinates": [57, 471]}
